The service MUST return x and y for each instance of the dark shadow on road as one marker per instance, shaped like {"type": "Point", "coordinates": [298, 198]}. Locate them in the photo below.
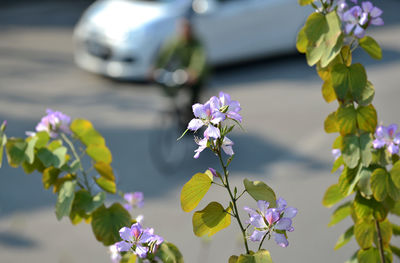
{"type": "Point", "coordinates": [136, 172]}
{"type": "Point", "coordinates": [16, 240]}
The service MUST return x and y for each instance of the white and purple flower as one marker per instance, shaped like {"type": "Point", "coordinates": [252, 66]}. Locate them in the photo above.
{"type": "Point", "coordinates": [53, 123]}
{"type": "Point", "coordinates": [134, 200]}
{"type": "Point", "coordinates": [271, 221]}
{"type": "Point", "coordinates": [357, 18]}
{"type": "Point", "coordinates": [138, 240]}
{"type": "Point", "coordinates": [387, 136]}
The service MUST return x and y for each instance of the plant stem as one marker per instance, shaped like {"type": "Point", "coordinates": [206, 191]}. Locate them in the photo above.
{"type": "Point", "coordinates": [380, 245]}
{"type": "Point", "coordinates": [72, 147]}
{"type": "Point", "coordinates": [262, 241]}
{"type": "Point", "coordinates": [235, 210]}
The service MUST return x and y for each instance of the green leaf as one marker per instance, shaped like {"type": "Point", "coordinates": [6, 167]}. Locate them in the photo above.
{"type": "Point", "coordinates": [233, 259]}
{"type": "Point", "coordinates": [346, 117]}
{"type": "Point", "coordinates": [371, 47]}
{"type": "Point", "coordinates": [50, 176]}
{"type": "Point", "coordinates": [353, 259]}
{"type": "Point", "coordinates": [364, 184]}
{"type": "Point", "coordinates": [368, 256]}
{"type": "Point", "coordinates": [305, 2]}
{"type": "Point", "coordinates": [49, 158]}
{"type": "Point", "coordinates": [386, 232]}
{"type": "Point", "coordinates": [396, 229]}
{"type": "Point", "coordinates": [344, 238]}
{"type": "Point", "coordinates": [211, 219]}
{"type": "Point", "coordinates": [357, 81]}
{"type": "Point", "coordinates": [366, 149]}
{"type": "Point", "coordinates": [379, 184]}
{"type": "Point", "coordinates": [351, 150]}
{"type": "Point", "coordinates": [367, 118]}
{"type": "Point", "coordinates": [43, 138]}
{"type": "Point", "coordinates": [30, 149]}
{"type": "Point", "coordinates": [336, 165]}
{"type": "Point", "coordinates": [261, 256]}
{"type": "Point", "coordinates": [395, 174]}
{"type": "Point", "coordinates": [99, 153]}
{"type": "Point", "coordinates": [332, 196]}
{"type": "Point", "coordinates": [169, 253]}
{"type": "Point", "coordinates": [85, 131]}
{"type": "Point", "coordinates": [340, 213]}
{"type": "Point", "coordinates": [363, 207]}
{"type": "Point", "coordinates": [194, 190]}
{"type": "Point", "coordinates": [330, 124]}
{"type": "Point", "coordinates": [395, 250]}
{"type": "Point", "coordinates": [348, 180]}
{"type": "Point", "coordinates": [106, 223]}
{"type": "Point", "coordinates": [393, 191]}
{"type": "Point", "coordinates": [367, 95]}
{"type": "Point", "coordinates": [260, 191]}
{"type": "Point", "coordinates": [15, 150]}
{"type": "Point", "coordinates": [65, 199]}
{"type": "Point", "coordinates": [340, 80]}
{"type": "Point", "coordinates": [364, 233]}
{"type": "Point", "coordinates": [87, 203]}
{"type": "Point", "coordinates": [107, 179]}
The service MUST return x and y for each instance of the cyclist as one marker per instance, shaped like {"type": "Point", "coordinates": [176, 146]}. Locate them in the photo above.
{"type": "Point", "coordinates": [184, 59]}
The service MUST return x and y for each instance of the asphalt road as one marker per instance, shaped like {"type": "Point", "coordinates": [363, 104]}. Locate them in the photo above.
{"type": "Point", "coordinates": [284, 143]}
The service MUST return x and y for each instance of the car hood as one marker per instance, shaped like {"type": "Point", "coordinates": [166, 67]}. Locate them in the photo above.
{"type": "Point", "coordinates": [116, 17]}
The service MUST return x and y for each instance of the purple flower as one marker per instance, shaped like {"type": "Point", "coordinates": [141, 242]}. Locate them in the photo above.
{"type": "Point", "coordinates": [213, 172]}
{"type": "Point", "coordinates": [229, 107]}
{"type": "Point", "coordinates": [202, 145]}
{"type": "Point", "coordinates": [387, 136]}
{"type": "Point", "coordinates": [53, 123]}
{"type": "Point", "coordinates": [271, 221]}
{"type": "Point", "coordinates": [336, 153]}
{"type": "Point", "coordinates": [358, 18]}
{"type": "Point", "coordinates": [115, 255]}
{"type": "Point", "coordinates": [206, 115]}
{"type": "Point", "coordinates": [138, 240]}
{"type": "Point", "coordinates": [134, 200]}
{"type": "Point", "coordinates": [227, 146]}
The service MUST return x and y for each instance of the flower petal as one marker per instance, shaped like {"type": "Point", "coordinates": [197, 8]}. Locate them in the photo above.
{"type": "Point", "coordinates": [280, 239]}
{"type": "Point", "coordinates": [199, 111]}
{"type": "Point", "coordinates": [125, 233]}
{"type": "Point", "coordinates": [141, 251]}
{"type": "Point", "coordinates": [290, 212]}
{"type": "Point", "coordinates": [257, 235]}
{"type": "Point", "coordinates": [212, 132]}
{"type": "Point", "coordinates": [195, 124]}
{"type": "Point", "coordinates": [283, 224]}
{"type": "Point", "coordinates": [123, 246]}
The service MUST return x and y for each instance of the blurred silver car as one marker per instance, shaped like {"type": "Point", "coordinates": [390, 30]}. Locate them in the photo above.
{"type": "Point", "coordinates": [121, 38]}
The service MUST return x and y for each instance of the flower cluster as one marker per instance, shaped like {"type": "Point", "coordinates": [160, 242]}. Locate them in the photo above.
{"type": "Point", "coordinates": [271, 221]}
{"type": "Point", "coordinates": [137, 240]}
{"type": "Point", "coordinates": [53, 123]}
{"type": "Point", "coordinates": [134, 200]}
{"type": "Point", "coordinates": [357, 18]}
{"type": "Point", "coordinates": [387, 136]}
{"type": "Point", "coordinates": [212, 114]}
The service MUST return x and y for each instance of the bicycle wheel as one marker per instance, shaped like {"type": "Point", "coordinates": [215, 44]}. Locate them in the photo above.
{"type": "Point", "coordinates": [166, 152]}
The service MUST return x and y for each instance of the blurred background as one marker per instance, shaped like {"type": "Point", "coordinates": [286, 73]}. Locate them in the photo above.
{"type": "Point", "coordinates": [92, 60]}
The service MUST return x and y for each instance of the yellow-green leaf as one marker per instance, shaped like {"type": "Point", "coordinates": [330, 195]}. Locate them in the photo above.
{"type": "Point", "coordinates": [351, 150]}
{"type": "Point", "coordinates": [65, 199]}
{"type": "Point", "coordinates": [260, 191]}
{"type": "Point", "coordinates": [340, 213]}
{"type": "Point", "coordinates": [332, 196]}
{"type": "Point", "coordinates": [305, 2]}
{"type": "Point", "coordinates": [169, 253]}
{"type": "Point", "coordinates": [367, 118]}
{"type": "Point", "coordinates": [99, 153]}
{"type": "Point", "coordinates": [344, 238]}
{"type": "Point", "coordinates": [301, 42]}
{"type": "Point", "coordinates": [211, 219]}
{"type": "Point", "coordinates": [330, 124]}
{"type": "Point", "coordinates": [371, 47]}
{"type": "Point", "coordinates": [85, 131]}
{"type": "Point", "coordinates": [106, 184]}
{"type": "Point", "coordinates": [261, 256]}
{"type": "Point", "coordinates": [364, 233]}
{"type": "Point", "coordinates": [395, 174]}
{"type": "Point", "coordinates": [379, 183]}
{"type": "Point", "coordinates": [194, 190]}
{"type": "Point", "coordinates": [50, 176]}
{"type": "Point", "coordinates": [346, 117]}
